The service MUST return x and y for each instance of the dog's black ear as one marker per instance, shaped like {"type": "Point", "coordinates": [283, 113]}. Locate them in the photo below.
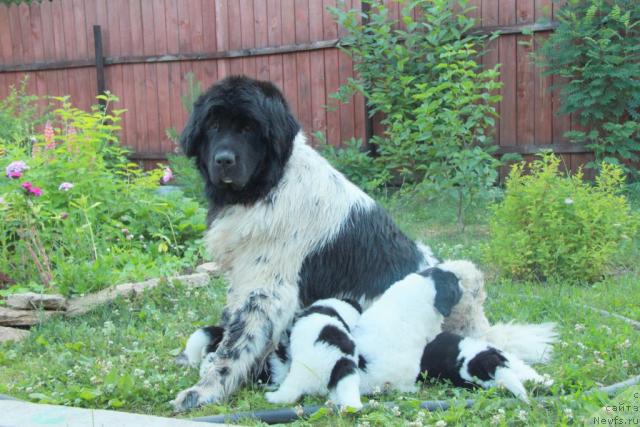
{"type": "Point", "coordinates": [448, 292]}
{"type": "Point", "coordinates": [281, 126]}
{"type": "Point", "coordinates": [196, 126]}
{"type": "Point", "coordinates": [215, 334]}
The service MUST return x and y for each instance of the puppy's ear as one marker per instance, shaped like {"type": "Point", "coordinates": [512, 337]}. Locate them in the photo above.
{"type": "Point", "coordinates": [448, 292]}
{"type": "Point", "coordinates": [194, 129]}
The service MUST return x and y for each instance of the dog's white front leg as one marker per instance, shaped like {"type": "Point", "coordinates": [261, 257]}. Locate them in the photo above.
{"type": "Point", "coordinates": [252, 329]}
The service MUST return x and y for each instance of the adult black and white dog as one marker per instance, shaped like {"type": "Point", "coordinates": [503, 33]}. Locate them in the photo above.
{"type": "Point", "coordinates": [286, 228]}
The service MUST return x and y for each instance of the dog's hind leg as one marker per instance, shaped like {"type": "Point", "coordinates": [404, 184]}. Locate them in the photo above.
{"type": "Point", "coordinates": [251, 331]}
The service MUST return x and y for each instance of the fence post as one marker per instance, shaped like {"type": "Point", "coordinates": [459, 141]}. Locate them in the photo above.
{"type": "Point", "coordinates": [97, 38]}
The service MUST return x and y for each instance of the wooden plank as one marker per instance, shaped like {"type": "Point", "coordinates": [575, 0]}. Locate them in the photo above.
{"type": "Point", "coordinates": [175, 106]}
{"type": "Point", "coordinates": [539, 27]}
{"type": "Point", "coordinates": [184, 39]}
{"type": "Point", "coordinates": [303, 64]}
{"type": "Point", "coordinates": [222, 35]}
{"type": "Point", "coordinates": [345, 70]}
{"type": "Point", "coordinates": [58, 37]}
{"type": "Point", "coordinates": [525, 76]}
{"type": "Point", "coordinates": [196, 36]}
{"type": "Point", "coordinates": [80, 49]}
{"type": "Point", "coordinates": [179, 57]}
{"type": "Point", "coordinates": [48, 47]}
{"type": "Point", "coordinates": [247, 36]}
{"type": "Point", "coordinates": [490, 13]}
{"type": "Point", "coordinates": [139, 83]}
{"type": "Point", "coordinates": [235, 35]}
{"type": "Point", "coordinates": [507, 50]}
{"type": "Point", "coordinates": [543, 121]}
{"type": "Point", "coordinates": [162, 75]}
{"type": "Point", "coordinates": [210, 68]}
{"type": "Point", "coordinates": [14, 32]}
{"type": "Point", "coordinates": [317, 76]}
{"type": "Point", "coordinates": [260, 12]}
{"type": "Point", "coordinates": [152, 132]}
{"type": "Point", "coordinates": [289, 69]}
{"type": "Point", "coordinates": [274, 35]}
{"type": "Point", "coordinates": [358, 100]}
{"type": "Point", "coordinates": [332, 78]}
{"type": "Point", "coordinates": [557, 147]}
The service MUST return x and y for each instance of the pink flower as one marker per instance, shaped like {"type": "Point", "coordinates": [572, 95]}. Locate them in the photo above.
{"type": "Point", "coordinates": [168, 176]}
{"type": "Point", "coordinates": [15, 169]}
{"type": "Point", "coordinates": [48, 136]}
{"type": "Point", "coordinates": [36, 191]}
{"type": "Point", "coordinates": [65, 186]}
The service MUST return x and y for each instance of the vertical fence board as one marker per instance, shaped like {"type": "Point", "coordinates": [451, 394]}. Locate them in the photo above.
{"type": "Point", "coordinates": [508, 104]}
{"type": "Point", "coordinates": [303, 64]}
{"type": "Point", "coordinates": [332, 79]}
{"type": "Point", "coordinates": [274, 37]}
{"type": "Point", "coordinates": [317, 75]}
{"type": "Point", "coordinates": [289, 71]}
{"type": "Point", "coordinates": [525, 85]}
{"type": "Point", "coordinates": [261, 25]}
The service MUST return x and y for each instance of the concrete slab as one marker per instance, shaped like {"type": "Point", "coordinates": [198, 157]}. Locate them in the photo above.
{"type": "Point", "coordinates": [15, 413]}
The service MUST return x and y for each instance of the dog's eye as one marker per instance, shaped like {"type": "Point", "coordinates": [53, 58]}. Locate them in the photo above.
{"type": "Point", "coordinates": [246, 128]}
{"type": "Point", "coordinates": [214, 125]}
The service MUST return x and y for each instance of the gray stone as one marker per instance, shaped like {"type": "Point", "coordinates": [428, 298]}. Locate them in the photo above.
{"type": "Point", "coordinates": [24, 414]}
{"type": "Point", "coordinates": [11, 317]}
{"type": "Point", "coordinates": [31, 300]}
{"type": "Point", "coordinates": [12, 334]}
{"type": "Point", "coordinates": [209, 268]}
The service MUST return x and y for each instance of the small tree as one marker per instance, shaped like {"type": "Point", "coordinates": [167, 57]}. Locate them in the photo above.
{"type": "Point", "coordinates": [436, 101]}
{"type": "Point", "coordinates": [596, 49]}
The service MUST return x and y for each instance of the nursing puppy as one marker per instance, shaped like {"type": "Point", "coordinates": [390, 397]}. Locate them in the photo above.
{"type": "Point", "coordinates": [384, 348]}
{"type": "Point", "coordinates": [323, 357]}
{"type": "Point", "coordinates": [469, 362]}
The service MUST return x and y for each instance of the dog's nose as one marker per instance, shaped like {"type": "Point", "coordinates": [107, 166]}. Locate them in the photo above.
{"type": "Point", "coordinates": [225, 158]}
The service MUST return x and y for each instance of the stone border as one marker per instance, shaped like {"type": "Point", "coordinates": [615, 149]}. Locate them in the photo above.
{"type": "Point", "coordinates": [30, 309]}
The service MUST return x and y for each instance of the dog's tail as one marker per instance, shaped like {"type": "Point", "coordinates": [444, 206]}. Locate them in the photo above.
{"type": "Point", "coordinates": [533, 343]}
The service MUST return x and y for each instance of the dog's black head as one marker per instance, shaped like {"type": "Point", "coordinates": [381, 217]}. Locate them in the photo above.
{"type": "Point", "coordinates": [448, 292]}
{"type": "Point", "coordinates": [241, 134]}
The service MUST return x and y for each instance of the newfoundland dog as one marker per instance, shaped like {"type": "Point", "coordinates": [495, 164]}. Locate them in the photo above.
{"type": "Point", "coordinates": [286, 228]}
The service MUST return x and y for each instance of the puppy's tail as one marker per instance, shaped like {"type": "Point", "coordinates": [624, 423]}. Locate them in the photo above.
{"type": "Point", "coordinates": [530, 342]}
{"type": "Point", "coordinates": [202, 341]}
{"type": "Point", "coordinates": [509, 379]}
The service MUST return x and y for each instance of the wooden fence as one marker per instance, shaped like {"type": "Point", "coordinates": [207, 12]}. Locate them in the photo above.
{"type": "Point", "coordinates": [148, 46]}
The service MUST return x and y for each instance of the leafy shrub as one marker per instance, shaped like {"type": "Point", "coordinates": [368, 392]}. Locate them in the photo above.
{"type": "Point", "coordinates": [551, 226]}
{"type": "Point", "coordinates": [596, 48]}
{"type": "Point", "coordinates": [76, 215]}
{"type": "Point", "coordinates": [436, 102]}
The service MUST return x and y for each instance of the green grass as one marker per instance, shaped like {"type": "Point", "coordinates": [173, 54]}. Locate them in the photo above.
{"type": "Point", "coordinates": [121, 356]}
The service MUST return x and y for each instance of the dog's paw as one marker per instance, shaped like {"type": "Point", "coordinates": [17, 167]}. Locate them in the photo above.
{"type": "Point", "coordinates": [181, 360]}
{"type": "Point", "coordinates": [194, 397]}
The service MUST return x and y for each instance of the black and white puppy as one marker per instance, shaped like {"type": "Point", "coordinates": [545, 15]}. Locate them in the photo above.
{"type": "Point", "coordinates": [383, 350]}
{"type": "Point", "coordinates": [285, 227]}
{"type": "Point", "coordinates": [469, 362]}
{"type": "Point", "coordinates": [322, 355]}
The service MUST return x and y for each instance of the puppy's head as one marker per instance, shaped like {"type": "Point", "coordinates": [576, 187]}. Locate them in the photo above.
{"type": "Point", "coordinates": [241, 134]}
{"type": "Point", "coordinates": [447, 289]}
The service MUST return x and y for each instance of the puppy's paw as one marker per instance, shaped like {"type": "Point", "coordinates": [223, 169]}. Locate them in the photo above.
{"type": "Point", "coordinates": [181, 360]}
{"type": "Point", "coordinates": [280, 397]}
{"type": "Point", "coordinates": [194, 397]}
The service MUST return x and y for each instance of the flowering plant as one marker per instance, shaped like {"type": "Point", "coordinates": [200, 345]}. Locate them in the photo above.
{"type": "Point", "coordinates": [68, 193]}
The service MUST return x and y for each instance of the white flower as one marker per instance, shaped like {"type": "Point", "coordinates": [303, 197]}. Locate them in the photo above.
{"type": "Point", "coordinates": [568, 413]}
{"type": "Point", "coordinates": [396, 411]}
{"type": "Point", "coordinates": [65, 186]}
{"type": "Point", "coordinates": [138, 372]}
{"type": "Point", "coordinates": [625, 344]}
{"type": "Point", "coordinates": [625, 364]}
{"type": "Point", "coordinates": [522, 415]}
{"type": "Point", "coordinates": [568, 201]}
{"type": "Point", "coordinates": [579, 327]}
{"type": "Point", "coordinates": [441, 423]}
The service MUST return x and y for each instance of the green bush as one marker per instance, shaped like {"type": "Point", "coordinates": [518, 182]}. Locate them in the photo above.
{"type": "Point", "coordinates": [76, 215]}
{"type": "Point", "coordinates": [552, 226]}
{"type": "Point", "coordinates": [436, 101]}
{"type": "Point", "coordinates": [596, 50]}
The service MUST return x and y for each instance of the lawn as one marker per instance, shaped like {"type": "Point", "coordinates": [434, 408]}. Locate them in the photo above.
{"type": "Point", "coordinates": [121, 356]}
